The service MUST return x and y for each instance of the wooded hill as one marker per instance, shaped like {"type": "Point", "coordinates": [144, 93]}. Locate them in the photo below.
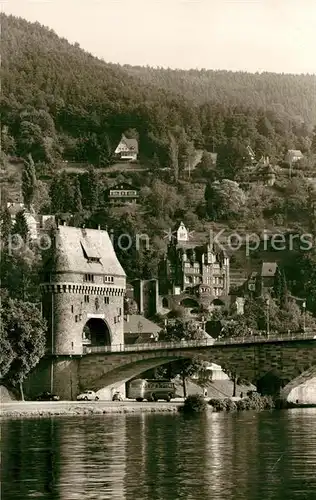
{"type": "Point", "coordinates": [58, 101]}
{"type": "Point", "coordinates": [289, 96]}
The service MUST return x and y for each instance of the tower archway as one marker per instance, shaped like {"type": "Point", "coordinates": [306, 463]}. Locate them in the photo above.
{"type": "Point", "coordinates": [96, 332]}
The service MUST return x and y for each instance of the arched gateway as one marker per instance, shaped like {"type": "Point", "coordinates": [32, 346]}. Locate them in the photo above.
{"type": "Point", "coordinates": [96, 333]}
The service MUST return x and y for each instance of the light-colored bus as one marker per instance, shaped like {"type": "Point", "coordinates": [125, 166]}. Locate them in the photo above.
{"type": "Point", "coordinates": [152, 390]}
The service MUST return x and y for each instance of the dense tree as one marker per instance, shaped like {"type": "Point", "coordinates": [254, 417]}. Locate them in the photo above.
{"type": "Point", "coordinates": [224, 199]}
{"type": "Point", "coordinates": [280, 288]}
{"type": "Point", "coordinates": [41, 200]}
{"type": "Point", "coordinates": [23, 337]}
{"type": "Point", "coordinates": [7, 141]}
{"type": "Point", "coordinates": [90, 190]}
{"type": "Point", "coordinates": [77, 197]}
{"type": "Point", "coordinates": [28, 181]}
{"type": "Point", "coordinates": [56, 195]}
{"type": "Point", "coordinates": [183, 330]}
{"type": "Point", "coordinates": [6, 227]}
{"type": "Point", "coordinates": [174, 157]}
{"type": "Point", "coordinates": [20, 227]}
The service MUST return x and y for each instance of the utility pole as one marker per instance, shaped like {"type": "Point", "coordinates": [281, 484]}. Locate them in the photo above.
{"type": "Point", "coordinates": [304, 315]}
{"type": "Point", "coordinates": [268, 316]}
{"type": "Point", "coordinates": [52, 347]}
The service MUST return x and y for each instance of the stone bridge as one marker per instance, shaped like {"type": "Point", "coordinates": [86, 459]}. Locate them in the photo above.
{"type": "Point", "coordinates": [275, 365]}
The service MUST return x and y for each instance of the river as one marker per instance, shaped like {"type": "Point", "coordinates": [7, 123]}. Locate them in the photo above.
{"type": "Point", "coordinates": [246, 456]}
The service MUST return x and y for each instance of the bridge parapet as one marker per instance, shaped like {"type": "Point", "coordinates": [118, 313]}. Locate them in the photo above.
{"type": "Point", "coordinates": [253, 339]}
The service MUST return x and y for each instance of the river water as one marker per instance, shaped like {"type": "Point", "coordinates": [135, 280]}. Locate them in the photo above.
{"type": "Point", "coordinates": [246, 456]}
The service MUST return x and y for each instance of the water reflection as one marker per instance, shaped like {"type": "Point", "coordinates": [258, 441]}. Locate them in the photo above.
{"type": "Point", "coordinates": [162, 457]}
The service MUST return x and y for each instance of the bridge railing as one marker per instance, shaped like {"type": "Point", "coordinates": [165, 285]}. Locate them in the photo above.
{"type": "Point", "coordinates": [208, 342]}
{"type": "Point", "coordinates": [264, 338]}
{"type": "Point", "coordinates": [150, 346]}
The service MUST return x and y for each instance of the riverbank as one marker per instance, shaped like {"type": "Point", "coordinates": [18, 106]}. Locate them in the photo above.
{"type": "Point", "coordinates": [75, 408]}
{"type": "Point", "coordinates": [37, 409]}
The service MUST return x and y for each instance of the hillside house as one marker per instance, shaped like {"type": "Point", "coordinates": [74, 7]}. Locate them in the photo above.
{"type": "Point", "coordinates": [293, 156]}
{"type": "Point", "coordinates": [265, 173]}
{"type": "Point", "coordinates": [140, 330]}
{"type": "Point", "coordinates": [127, 149]}
{"type": "Point", "coordinates": [123, 193]}
{"type": "Point", "coordinates": [262, 282]}
{"type": "Point", "coordinates": [267, 277]}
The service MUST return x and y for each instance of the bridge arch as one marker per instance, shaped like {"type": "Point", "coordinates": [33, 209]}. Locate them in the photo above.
{"type": "Point", "coordinates": [96, 332]}
{"type": "Point", "coordinates": [120, 373]}
{"type": "Point", "coordinates": [270, 383]}
{"type": "Point", "coordinates": [301, 388]}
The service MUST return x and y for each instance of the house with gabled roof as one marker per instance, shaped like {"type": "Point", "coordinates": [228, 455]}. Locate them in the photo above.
{"type": "Point", "coordinates": [138, 330]}
{"type": "Point", "coordinates": [127, 149]}
{"type": "Point", "coordinates": [293, 156]}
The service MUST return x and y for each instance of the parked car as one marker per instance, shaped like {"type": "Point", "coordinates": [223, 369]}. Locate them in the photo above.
{"type": "Point", "coordinates": [117, 397]}
{"type": "Point", "coordinates": [88, 396]}
{"type": "Point", "coordinates": [47, 396]}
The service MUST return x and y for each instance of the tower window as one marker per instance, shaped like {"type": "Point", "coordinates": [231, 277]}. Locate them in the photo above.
{"type": "Point", "coordinates": [86, 299]}
{"type": "Point", "coordinates": [106, 300]}
{"type": "Point", "coordinates": [72, 309]}
{"type": "Point", "coordinates": [108, 279]}
{"type": "Point", "coordinates": [89, 277]}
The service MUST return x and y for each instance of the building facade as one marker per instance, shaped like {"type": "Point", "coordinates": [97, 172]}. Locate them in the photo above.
{"type": "Point", "coordinates": [188, 265]}
{"type": "Point", "coordinates": [123, 193]}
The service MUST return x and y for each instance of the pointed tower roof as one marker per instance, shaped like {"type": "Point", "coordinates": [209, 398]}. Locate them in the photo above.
{"type": "Point", "coordinates": [181, 233]}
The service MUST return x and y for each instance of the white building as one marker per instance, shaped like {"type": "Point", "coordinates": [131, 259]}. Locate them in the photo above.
{"type": "Point", "coordinates": [127, 149]}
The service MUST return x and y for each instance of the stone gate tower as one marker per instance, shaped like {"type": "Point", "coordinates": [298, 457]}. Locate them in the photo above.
{"type": "Point", "coordinates": [83, 292]}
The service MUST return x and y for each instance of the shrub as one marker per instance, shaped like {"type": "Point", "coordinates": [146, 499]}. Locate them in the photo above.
{"type": "Point", "coordinates": [253, 402]}
{"type": "Point", "coordinates": [230, 405]}
{"type": "Point", "coordinates": [217, 404]}
{"type": "Point", "coordinates": [268, 402]}
{"type": "Point", "coordinates": [194, 404]}
{"type": "Point", "coordinates": [243, 404]}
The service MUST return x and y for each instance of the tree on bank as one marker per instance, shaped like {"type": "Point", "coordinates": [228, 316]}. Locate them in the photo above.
{"type": "Point", "coordinates": [22, 340]}
{"type": "Point", "coordinates": [183, 330]}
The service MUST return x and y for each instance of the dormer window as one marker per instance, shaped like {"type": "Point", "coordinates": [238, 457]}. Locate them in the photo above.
{"type": "Point", "coordinates": [90, 253]}
{"type": "Point", "coordinates": [94, 259]}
